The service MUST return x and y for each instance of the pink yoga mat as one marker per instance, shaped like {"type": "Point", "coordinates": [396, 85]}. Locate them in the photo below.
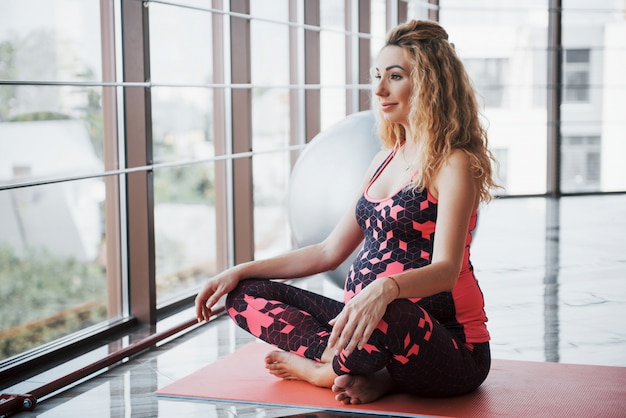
{"type": "Point", "coordinates": [513, 388]}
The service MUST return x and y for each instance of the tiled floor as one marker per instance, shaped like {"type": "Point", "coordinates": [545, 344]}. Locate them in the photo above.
{"type": "Point", "coordinates": [554, 278]}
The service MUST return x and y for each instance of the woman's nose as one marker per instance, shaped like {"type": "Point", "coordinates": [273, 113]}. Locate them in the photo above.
{"type": "Point", "coordinates": [380, 89]}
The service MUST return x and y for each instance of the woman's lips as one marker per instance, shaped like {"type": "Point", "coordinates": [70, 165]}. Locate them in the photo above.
{"type": "Point", "coordinates": [387, 105]}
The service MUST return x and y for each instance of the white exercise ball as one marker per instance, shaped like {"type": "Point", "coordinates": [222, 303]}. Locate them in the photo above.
{"type": "Point", "coordinates": [326, 178]}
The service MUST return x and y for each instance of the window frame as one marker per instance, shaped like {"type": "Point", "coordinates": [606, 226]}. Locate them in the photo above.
{"type": "Point", "coordinates": [129, 165]}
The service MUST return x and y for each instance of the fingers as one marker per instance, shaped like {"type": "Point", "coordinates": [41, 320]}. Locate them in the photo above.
{"type": "Point", "coordinates": [357, 338]}
{"type": "Point", "coordinates": [336, 331]}
{"type": "Point", "coordinates": [349, 337]}
{"type": "Point", "coordinates": [337, 338]}
{"type": "Point", "coordinates": [352, 330]}
{"type": "Point", "coordinates": [348, 333]}
{"type": "Point", "coordinates": [200, 314]}
{"type": "Point", "coordinates": [204, 302]}
{"type": "Point", "coordinates": [203, 313]}
{"type": "Point", "coordinates": [343, 334]}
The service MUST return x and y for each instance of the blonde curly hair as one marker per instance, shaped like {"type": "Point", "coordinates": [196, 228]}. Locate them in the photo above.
{"type": "Point", "coordinates": [444, 112]}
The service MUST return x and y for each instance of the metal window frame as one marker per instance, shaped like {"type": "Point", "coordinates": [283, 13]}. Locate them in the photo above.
{"type": "Point", "coordinates": [554, 99]}
{"type": "Point", "coordinates": [312, 73]}
{"type": "Point", "coordinates": [232, 103]}
{"type": "Point", "coordinates": [138, 151]}
{"type": "Point", "coordinates": [241, 128]}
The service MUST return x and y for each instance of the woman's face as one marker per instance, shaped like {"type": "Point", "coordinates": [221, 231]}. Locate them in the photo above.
{"type": "Point", "coordinates": [392, 84]}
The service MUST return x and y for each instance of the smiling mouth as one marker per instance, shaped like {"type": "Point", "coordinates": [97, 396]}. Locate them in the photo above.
{"type": "Point", "coordinates": [387, 106]}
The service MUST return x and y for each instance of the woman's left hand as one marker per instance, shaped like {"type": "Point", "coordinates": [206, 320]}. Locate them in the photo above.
{"type": "Point", "coordinates": [355, 324]}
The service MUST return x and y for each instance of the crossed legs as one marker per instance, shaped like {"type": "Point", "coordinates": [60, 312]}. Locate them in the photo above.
{"type": "Point", "coordinates": [423, 358]}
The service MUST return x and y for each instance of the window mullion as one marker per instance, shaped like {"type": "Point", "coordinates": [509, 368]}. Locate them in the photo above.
{"type": "Point", "coordinates": [554, 99]}
{"type": "Point", "coordinates": [138, 146]}
{"type": "Point", "coordinates": [243, 218]}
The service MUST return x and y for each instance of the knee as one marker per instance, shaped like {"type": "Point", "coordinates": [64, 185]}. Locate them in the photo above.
{"type": "Point", "coordinates": [403, 310]}
{"type": "Point", "coordinates": [248, 287]}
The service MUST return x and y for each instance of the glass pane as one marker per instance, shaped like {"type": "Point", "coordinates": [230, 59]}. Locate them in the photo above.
{"type": "Point", "coordinates": [182, 118]}
{"type": "Point", "coordinates": [270, 66]}
{"type": "Point", "coordinates": [333, 57]}
{"type": "Point", "coordinates": [51, 40]}
{"type": "Point", "coordinates": [184, 228]}
{"type": "Point", "coordinates": [182, 131]}
{"type": "Point", "coordinates": [198, 4]}
{"type": "Point", "coordinates": [62, 124]}
{"type": "Point", "coordinates": [182, 124]}
{"type": "Point", "coordinates": [271, 116]}
{"type": "Point", "coordinates": [593, 121]}
{"type": "Point", "coordinates": [269, 48]}
{"type": "Point", "coordinates": [59, 242]}
{"type": "Point", "coordinates": [180, 45]}
{"type": "Point", "coordinates": [271, 229]}
{"type": "Point", "coordinates": [418, 9]}
{"type": "Point", "coordinates": [277, 10]}
{"type": "Point", "coordinates": [52, 262]}
{"type": "Point", "coordinates": [581, 161]}
{"type": "Point", "coordinates": [333, 73]}
{"type": "Point", "coordinates": [503, 46]}
{"type": "Point", "coordinates": [270, 119]}
{"type": "Point", "coordinates": [378, 28]}
{"type": "Point", "coordinates": [378, 18]}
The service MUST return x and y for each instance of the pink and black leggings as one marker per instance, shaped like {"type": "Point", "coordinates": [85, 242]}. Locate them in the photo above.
{"type": "Point", "coordinates": [422, 356]}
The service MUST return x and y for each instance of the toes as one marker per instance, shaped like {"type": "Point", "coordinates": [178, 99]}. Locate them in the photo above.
{"type": "Point", "coordinates": [273, 357]}
{"type": "Point", "coordinates": [278, 372]}
{"type": "Point", "coordinates": [343, 382]}
{"type": "Point", "coordinates": [343, 398]}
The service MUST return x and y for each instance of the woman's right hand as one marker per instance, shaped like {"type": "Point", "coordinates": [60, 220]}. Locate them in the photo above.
{"type": "Point", "coordinates": [212, 291]}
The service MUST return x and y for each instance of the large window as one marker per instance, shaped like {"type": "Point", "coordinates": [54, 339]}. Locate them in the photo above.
{"type": "Point", "coordinates": [593, 124]}
{"type": "Point", "coordinates": [146, 145]}
{"type": "Point", "coordinates": [59, 245]}
{"type": "Point", "coordinates": [271, 75]}
{"type": "Point", "coordinates": [505, 48]}
{"type": "Point", "coordinates": [182, 102]}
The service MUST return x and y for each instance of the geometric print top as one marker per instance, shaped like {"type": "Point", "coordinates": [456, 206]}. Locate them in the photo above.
{"type": "Point", "coordinates": [399, 231]}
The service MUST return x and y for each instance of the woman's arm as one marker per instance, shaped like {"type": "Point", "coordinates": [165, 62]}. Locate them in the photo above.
{"type": "Point", "coordinates": [324, 256]}
{"type": "Point", "coordinates": [457, 193]}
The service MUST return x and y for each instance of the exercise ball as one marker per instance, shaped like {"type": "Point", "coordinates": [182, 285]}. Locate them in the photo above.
{"type": "Point", "coordinates": [325, 179]}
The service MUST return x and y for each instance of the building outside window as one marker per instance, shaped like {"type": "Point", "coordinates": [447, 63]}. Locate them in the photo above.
{"type": "Point", "coordinates": [64, 120]}
{"type": "Point", "coordinates": [489, 76]}
{"type": "Point", "coordinates": [581, 166]}
{"type": "Point", "coordinates": [576, 65]}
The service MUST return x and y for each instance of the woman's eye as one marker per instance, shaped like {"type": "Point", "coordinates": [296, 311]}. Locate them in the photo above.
{"type": "Point", "coordinates": [393, 76]}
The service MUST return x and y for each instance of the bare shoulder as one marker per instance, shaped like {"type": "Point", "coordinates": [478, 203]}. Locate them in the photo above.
{"type": "Point", "coordinates": [380, 156]}
{"type": "Point", "coordinates": [455, 177]}
{"type": "Point", "coordinates": [378, 160]}
{"type": "Point", "coordinates": [457, 160]}
{"type": "Point", "coordinates": [374, 164]}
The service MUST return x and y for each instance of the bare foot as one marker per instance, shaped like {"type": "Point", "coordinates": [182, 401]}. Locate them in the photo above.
{"type": "Point", "coordinates": [355, 390]}
{"type": "Point", "coordinates": [294, 367]}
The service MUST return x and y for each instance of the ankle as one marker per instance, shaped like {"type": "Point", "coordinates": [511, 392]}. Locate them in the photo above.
{"type": "Point", "coordinates": [324, 375]}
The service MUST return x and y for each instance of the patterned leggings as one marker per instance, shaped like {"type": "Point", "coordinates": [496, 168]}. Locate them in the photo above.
{"type": "Point", "coordinates": [422, 357]}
